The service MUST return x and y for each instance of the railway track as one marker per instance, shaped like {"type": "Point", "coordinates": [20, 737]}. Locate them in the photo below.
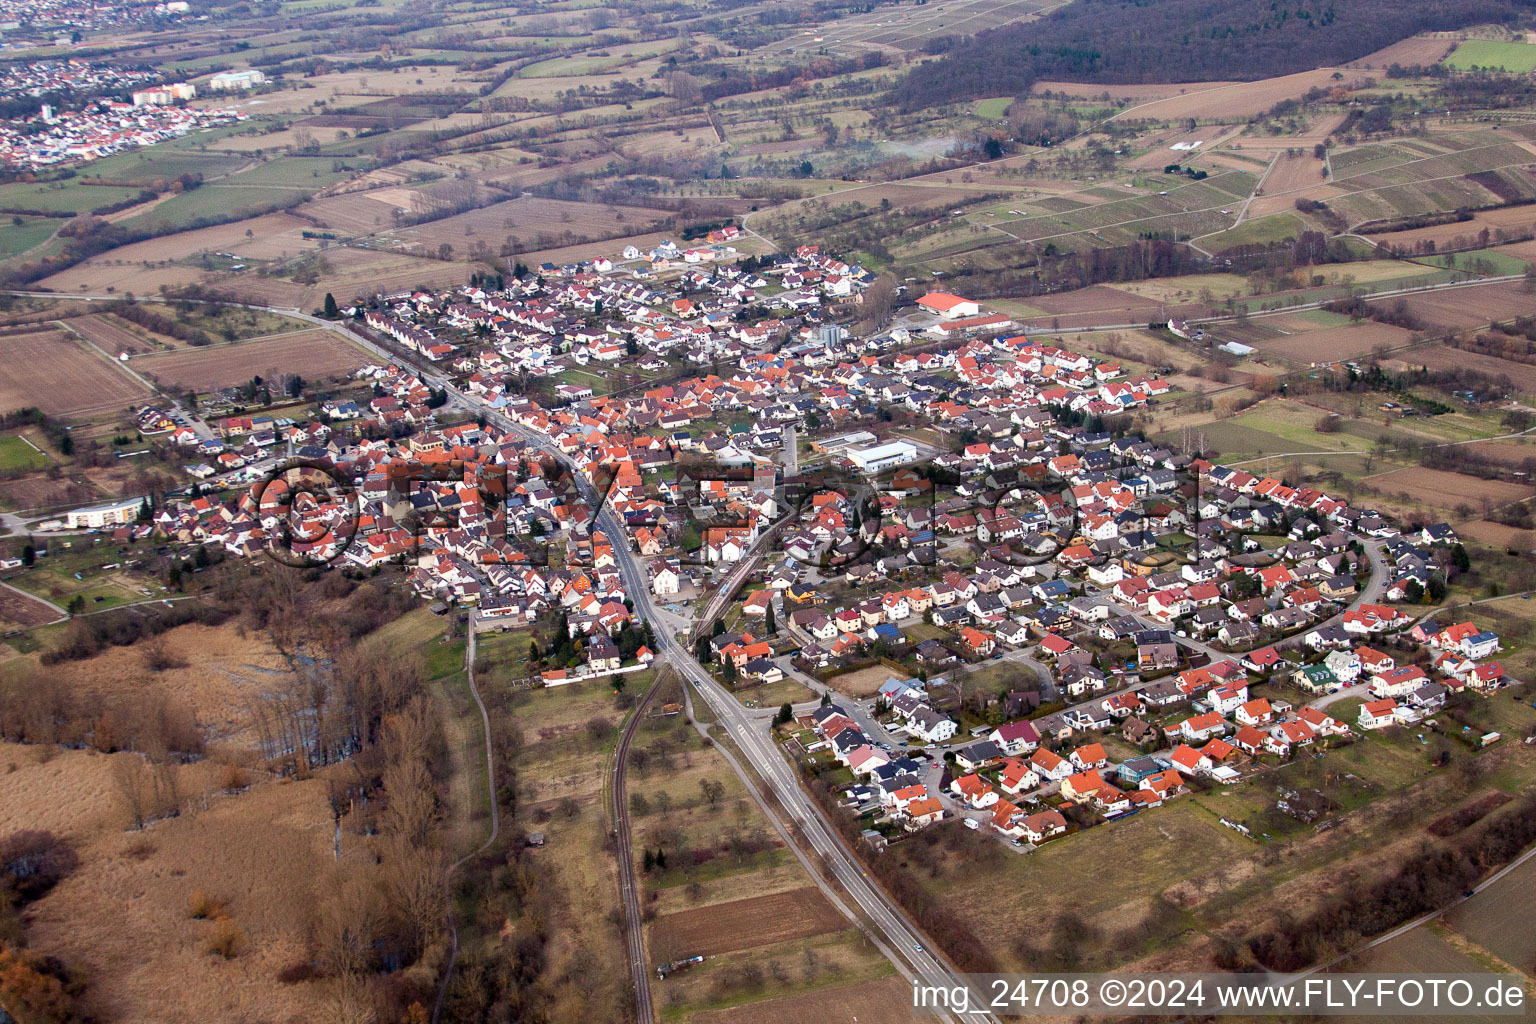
{"type": "Point", "coordinates": [629, 887]}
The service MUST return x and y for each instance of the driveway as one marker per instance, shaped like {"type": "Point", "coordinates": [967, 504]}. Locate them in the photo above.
{"type": "Point", "coordinates": [1357, 690]}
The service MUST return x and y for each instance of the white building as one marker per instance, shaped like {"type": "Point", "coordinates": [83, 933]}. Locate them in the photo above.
{"type": "Point", "coordinates": [882, 456]}
{"type": "Point", "coordinates": [118, 513]}
{"type": "Point", "coordinates": [164, 95]}
{"type": "Point", "coordinates": [231, 81]}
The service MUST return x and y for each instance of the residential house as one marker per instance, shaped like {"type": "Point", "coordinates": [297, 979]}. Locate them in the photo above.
{"type": "Point", "coordinates": [976, 792]}
{"type": "Point", "coordinates": [1378, 714]}
{"type": "Point", "coordinates": [1016, 738]}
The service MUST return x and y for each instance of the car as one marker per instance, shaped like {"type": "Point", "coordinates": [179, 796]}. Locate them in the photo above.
{"type": "Point", "coordinates": [1469, 892]}
{"type": "Point", "coordinates": [919, 948]}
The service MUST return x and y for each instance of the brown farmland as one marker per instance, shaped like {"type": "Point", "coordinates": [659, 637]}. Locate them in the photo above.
{"type": "Point", "coordinates": [364, 272]}
{"type": "Point", "coordinates": [1415, 50]}
{"type": "Point", "coordinates": [1294, 172]}
{"type": "Point", "coordinates": [888, 1001]}
{"type": "Point", "coordinates": [528, 218]}
{"type": "Point", "coordinates": [60, 376]}
{"type": "Point", "coordinates": [122, 917]}
{"type": "Point", "coordinates": [39, 493]}
{"type": "Point", "coordinates": [311, 354]}
{"type": "Point", "coordinates": [1463, 234]}
{"type": "Point", "coordinates": [1231, 102]}
{"type": "Point", "coordinates": [861, 682]}
{"type": "Point", "coordinates": [1512, 452]}
{"type": "Point", "coordinates": [1155, 91]}
{"type": "Point", "coordinates": [1474, 306]}
{"type": "Point", "coordinates": [21, 609]}
{"type": "Point", "coordinates": [1097, 299]}
{"type": "Point", "coordinates": [1441, 357]}
{"type": "Point", "coordinates": [360, 213]}
{"type": "Point", "coordinates": [138, 267]}
{"type": "Point", "coordinates": [111, 335]}
{"type": "Point", "coordinates": [1498, 917]}
{"type": "Point", "coordinates": [1447, 490]}
{"type": "Point", "coordinates": [930, 195]}
{"type": "Point", "coordinates": [742, 924]}
{"type": "Point", "coordinates": [1334, 343]}
{"type": "Point", "coordinates": [1498, 535]}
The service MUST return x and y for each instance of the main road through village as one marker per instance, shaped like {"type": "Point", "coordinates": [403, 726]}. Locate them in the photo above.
{"type": "Point", "coordinates": [790, 808]}
{"type": "Point", "coordinates": [902, 942]}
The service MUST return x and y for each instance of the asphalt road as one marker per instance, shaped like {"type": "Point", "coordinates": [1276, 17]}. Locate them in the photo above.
{"type": "Point", "coordinates": [777, 773]}
{"type": "Point", "coordinates": [1371, 593]}
{"type": "Point", "coordinates": [904, 944]}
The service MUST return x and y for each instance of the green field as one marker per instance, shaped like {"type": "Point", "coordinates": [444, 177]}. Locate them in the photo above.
{"type": "Point", "coordinates": [1235, 441]}
{"type": "Point", "coordinates": [1486, 53]}
{"type": "Point", "coordinates": [22, 233]}
{"type": "Point", "coordinates": [61, 196]}
{"type": "Point", "coordinates": [98, 591]}
{"type": "Point", "coordinates": [16, 454]}
{"type": "Point", "coordinates": [143, 166]}
{"type": "Point", "coordinates": [1325, 318]}
{"type": "Point", "coordinates": [1278, 228]}
{"type": "Point", "coordinates": [222, 202]}
{"type": "Point", "coordinates": [594, 64]}
{"type": "Point", "coordinates": [599, 383]}
{"type": "Point", "coordinates": [993, 109]}
{"type": "Point", "coordinates": [297, 171]}
{"type": "Point", "coordinates": [1484, 261]}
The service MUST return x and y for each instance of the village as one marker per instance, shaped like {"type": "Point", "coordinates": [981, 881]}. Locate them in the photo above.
{"type": "Point", "coordinates": [1157, 652]}
{"type": "Point", "coordinates": [62, 22]}
{"type": "Point", "coordinates": [42, 78]}
{"type": "Point", "coordinates": [102, 128]}
{"type": "Point", "coordinates": [932, 501]}
{"type": "Point", "coordinates": [805, 504]}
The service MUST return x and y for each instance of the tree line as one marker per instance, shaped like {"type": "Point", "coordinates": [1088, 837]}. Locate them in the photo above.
{"type": "Point", "coordinates": [1115, 41]}
{"type": "Point", "coordinates": [1426, 880]}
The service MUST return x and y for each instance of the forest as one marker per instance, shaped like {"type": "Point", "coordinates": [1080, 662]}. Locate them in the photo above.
{"type": "Point", "coordinates": [1131, 41]}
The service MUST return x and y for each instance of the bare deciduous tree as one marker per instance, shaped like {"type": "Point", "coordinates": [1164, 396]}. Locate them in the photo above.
{"type": "Point", "coordinates": [127, 776]}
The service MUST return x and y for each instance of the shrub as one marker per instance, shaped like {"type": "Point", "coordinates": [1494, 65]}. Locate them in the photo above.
{"type": "Point", "coordinates": [140, 848]}
{"type": "Point", "coordinates": [32, 862]}
{"type": "Point", "coordinates": [226, 940]}
{"type": "Point", "coordinates": [202, 905]}
{"type": "Point", "coordinates": [232, 777]}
